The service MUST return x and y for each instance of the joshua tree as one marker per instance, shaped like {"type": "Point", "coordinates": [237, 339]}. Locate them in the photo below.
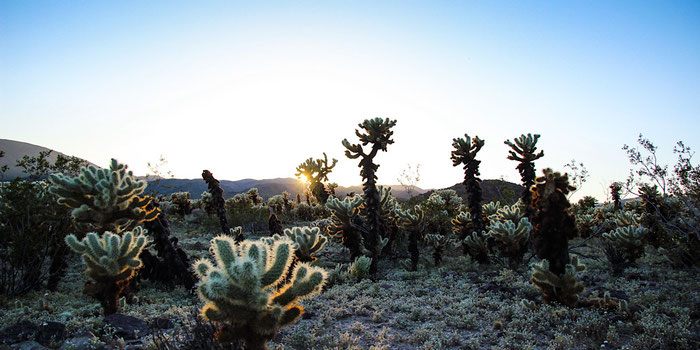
{"type": "Point", "coordinates": [465, 154]}
{"type": "Point", "coordinates": [377, 132]}
{"type": "Point", "coordinates": [524, 148]}
{"type": "Point", "coordinates": [316, 171]}
{"type": "Point", "coordinates": [111, 262]}
{"type": "Point", "coordinates": [108, 199]}
{"type": "Point", "coordinates": [217, 194]}
{"type": "Point", "coordinates": [240, 290]}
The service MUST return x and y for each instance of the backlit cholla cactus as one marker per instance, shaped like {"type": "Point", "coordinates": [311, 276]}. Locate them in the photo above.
{"type": "Point", "coordinates": [110, 199]}
{"type": "Point", "coordinates": [465, 154]}
{"type": "Point", "coordinates": [563, 288]}
{"type": "Point", "coordinates": [625, 218]}
{"type": "Point", "coordinates": [378, 133]}
{"type": "Point", "coordinates": [111, 262]}
{"type": "Point", "coordinates": [524, 150]}
{"type": "Point", "coordinates": [316, 171]}
{"type": "Point", "coordinates": [343, 221]}
{"type": "Point", "coordinates": [510, 213]}
{"type": "Point", "coordinates": [628, 240]}
{"type": "Point", "coordinates": [413, 223]}
{"type": "Point", "coordinates": [440, 243]}
{"type": "Point", "coordinates": [240, 292]}
{"type": "Point", "coordinates": [490, 209]}
{"type": "Point", "coordinates": [308, 242]}
{"type": "Point", "coordinates": [473, 243]}
{"type": "Point", "coordinates": [511, 239]}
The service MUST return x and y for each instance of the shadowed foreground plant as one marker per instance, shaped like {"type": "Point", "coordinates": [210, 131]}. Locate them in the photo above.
{"type": "Point", "coordinates": [563, 288]}
{"type": "Point", "coordinates": [240, 292]}
{"type": "Point", "coordinates": [111, 262]}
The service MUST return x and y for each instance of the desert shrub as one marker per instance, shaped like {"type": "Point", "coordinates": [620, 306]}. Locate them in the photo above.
{"type": "Point", "coordinates": [32, 228]}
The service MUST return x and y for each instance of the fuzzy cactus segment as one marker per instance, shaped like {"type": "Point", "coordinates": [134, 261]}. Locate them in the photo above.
{"type": "Point", "coordinates": [242, 288]}
{"type": "Point", "coordinates": [110, 199]}
{"type": "Point", "coordinates": [344, 215]}
{"type": "Point", "coordinates": [308, 242]}
{"type": "Point", "coordinates": [628, 240]}
{"type": "Point", "coordinates": [111, 262]}
{"type": "Point", "coordinates": [562, 288]}
{"type": "Point", "coordinates": [511, 238]}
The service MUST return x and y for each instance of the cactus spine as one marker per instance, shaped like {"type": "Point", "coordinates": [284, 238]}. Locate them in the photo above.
{"type": "Point", "coordinates": [111, 262]}
{"type": "Point", "coordinates": [377, 132]}
{"type": "Point", "coordinates": [316, 171]}
{"type": "Point", "coordinates": [109, 199]}
{"type": "Point", "coordinates": [523, 151]}
{"type": "Point", "coordinates": [240, 292]}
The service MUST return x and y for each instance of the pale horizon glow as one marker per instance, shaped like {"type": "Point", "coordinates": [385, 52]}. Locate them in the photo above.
{"type": "Point", "coordinates": [250, 90]}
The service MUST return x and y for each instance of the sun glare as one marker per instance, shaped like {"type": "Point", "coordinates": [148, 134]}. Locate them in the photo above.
{"type": "Point", "coordinates": [303, 179]}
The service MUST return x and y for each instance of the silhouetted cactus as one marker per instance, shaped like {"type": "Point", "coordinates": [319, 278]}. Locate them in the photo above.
{"type": "Point", "coordinates": [554, 225]}
{"type": "Point", "coordinates": [111, 262]}
{"type": "Point", "coordinates": [108, 199]}
{"type": "Point", "coordinates": [240, 290]}
{"type": "Point", "coordinates": [218, 201]}
{"type": "Point", "coordinates": [413, 223]}
{"type": "Point", "coordinates": [523, 151]}
{"type": "Point", "coordinates": [182, 203]}
{"type": "Point", "coordinates": [316, 171]}
{"type": "Point", "coordinates": [273, 223]}
{"type": "Point", "coordinates": [465, 154]}
{"type": "Point", "coordinates": [439, 243]}
{"type": "Point", "coordinates": [615, 189]}
{"type": "Point", "coordinates": [377, 132]}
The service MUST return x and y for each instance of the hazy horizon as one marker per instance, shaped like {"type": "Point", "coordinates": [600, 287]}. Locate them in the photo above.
{"type": "Point", "coordinates": [250, 90]}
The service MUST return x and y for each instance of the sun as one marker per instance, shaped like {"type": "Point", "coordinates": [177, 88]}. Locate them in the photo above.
{"type": "Point", "coordinates": [303, 178]}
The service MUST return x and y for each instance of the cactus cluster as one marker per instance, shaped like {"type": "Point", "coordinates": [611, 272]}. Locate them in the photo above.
{"type": "Point", "coordinates": [111, 262]}
{"type": "Point", "coordinates": [628, 240]}
{"type": "Point", "coordinates": [308, 242]}
{"type": "Point", "coordinates": [465, 154]}
{"type": "Point", "coordinates": [413, 223]}
{"type": "Point", "coordinates": [240, 289]}
{"type": "Point", "coordinates": [316, 171]}
{"type": "Point", "coordinates": [344, 218]}
{"type": "Point", "coordinates": [109, 199]}
{"type": "Point", "coordinates": [377, 132]}
{"type": "Point", "coordinates": [511, 238]}
{"type": "Point", "coordinates": [563, 288]}
{"type": "Point", "coordinates": [524, 150]}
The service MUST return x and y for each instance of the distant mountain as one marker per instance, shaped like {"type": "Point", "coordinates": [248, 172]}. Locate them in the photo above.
{"type": "Point", "coordinates": [15, 150]}
{"type": "Point", "coordinates": [491, 190]}
{"type": "Point", "coordinates": [266, 187]}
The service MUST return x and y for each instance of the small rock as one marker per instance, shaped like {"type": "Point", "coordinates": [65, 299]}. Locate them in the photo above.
{"type": "Point", "coordinates": [386, 286]}
{"type": "Point", "coordinates": [127, 327]}
{"type": "Point", "coordinates": [162, 323]}
{"type": "Point", "coordinates": [28, 345]}
{"type": "Point", "coordinates": [85, 341]}
{"type": "Point", "coordinates": [51, 331]}
{"type": "Point", "coordinates": [20, 331]}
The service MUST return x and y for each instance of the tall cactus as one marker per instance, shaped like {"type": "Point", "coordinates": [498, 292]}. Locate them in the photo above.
{"type": "Point", "coordinates": [554, 225]}
{"type": "Point", "coordinates": [240, 292]}
{"type": "Point", "coordinates": [615, 189]}
{"type": "Point", "coordinates": [110, 199]}
{"type": "Point", "coordinates": [316, 171]}
{"type": "Point", "coordinates": [217, 194]}
{"type": "Point", "coordinates": [111, 262]}
{"type": "Point", "coordinates": [377, 132]}
{"type": "Point", "coordinates": [524, 150]}
{"type": "Point", "coordinates": [465, 154]}
{"type": "Point", "coordinates": [414, 224]}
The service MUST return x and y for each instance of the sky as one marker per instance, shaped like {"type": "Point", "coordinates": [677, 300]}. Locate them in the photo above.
{"type": "Point", "coordinates": [252, 89]}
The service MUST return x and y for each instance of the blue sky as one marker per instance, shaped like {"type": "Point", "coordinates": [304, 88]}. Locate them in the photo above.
{"type": "Point", "coordinates": [250, 90]}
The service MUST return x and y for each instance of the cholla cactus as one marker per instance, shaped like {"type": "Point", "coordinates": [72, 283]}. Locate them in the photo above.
{"type": "Point", "coordinates": [359, 269]}
{"type": "Point", "coordinates": [478, 246]}
{"type": "Point", "coordinates": [586, 224]}
{"type": "Point", "coordinates": [510, 213]}
{"type": "Point", "coordinates": [377, 132]}
{"type": "Point", "coordinates": [107, 198]}
{"type": "Point", "coordinates": [625, 218]}
{"type": "Point", "coordinates": [240, 292]}
{"type": "Point", "coordinates": [413, 223]}
{"type": "Point", "coordinates": [439, 244]}
{"type": "Point", "coordinates": [490, 209]}
{"type": "Point", "coordinates": [308, 242]}
{"type": "Point", "coordinates": [628, 239]}
{"type": "Point", "coordinates": [524, 150]}
{"type": "Point", "coordinates": [511, 239]}
{"type": "Point", "coordinates": [615, 190]}
{"type": "Point", "coordinates": [254, 196]}
{"type": "Point", "coordinates": [465, 154]}
{"type": "Point", "coordinates": [343, 216]}
{"type": "Point", "coordinates": [181, 200]}
{"type": "Point", "coordinates": [316, 171]}
{"type": "Point", "coordinates": [111, 262]}
{"type": "Point", "coordinates": [562, 288]}
{"type": "Point", "coordinates": [214, 199]}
